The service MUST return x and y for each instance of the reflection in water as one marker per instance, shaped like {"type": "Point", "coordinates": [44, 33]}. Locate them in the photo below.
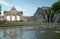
{"type": "Point", "coordinates": [27, 33]}
{"type": "Point", "coordinates": [57, 31]}
{"type": "Point", "coordinates": [18, 33]}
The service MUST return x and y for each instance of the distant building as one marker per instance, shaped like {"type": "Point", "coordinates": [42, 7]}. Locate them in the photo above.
{"type": "Point", "coordinates": [13, 13]}
{"type": "Point", "coordinates": [1, 18]}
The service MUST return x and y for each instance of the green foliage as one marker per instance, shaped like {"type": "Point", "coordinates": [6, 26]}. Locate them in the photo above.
{"type": "Point", "coordinates": [21, 20]}
{"type": "Point", "coordinates": [0, 12]}
{"type": "Point", "coordinates": [0, 9]}
{"type": "Point", "coordinates": [56, 6]}
{"type": "Point", "coordinates": [58, 11]}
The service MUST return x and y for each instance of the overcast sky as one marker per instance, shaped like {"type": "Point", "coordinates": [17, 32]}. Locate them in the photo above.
{"type": "Point", "coordinates": [29, 7]}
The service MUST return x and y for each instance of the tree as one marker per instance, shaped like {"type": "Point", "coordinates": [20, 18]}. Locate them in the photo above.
{"type": "Point", "coordinates": [56, 6]}
{"type": "Point", "coordinates": [21, 20]}
{"type": "Point", "coordinates": [0, 9]}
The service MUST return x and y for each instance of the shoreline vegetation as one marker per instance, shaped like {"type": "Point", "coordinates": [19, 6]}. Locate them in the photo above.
{"type": "Point", "coordinates": [22, 24]}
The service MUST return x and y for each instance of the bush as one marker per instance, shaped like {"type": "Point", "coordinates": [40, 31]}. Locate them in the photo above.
{"type": "Point", "coordinates": [21, 20]}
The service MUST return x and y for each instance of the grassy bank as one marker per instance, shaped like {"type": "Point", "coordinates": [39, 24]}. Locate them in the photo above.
{"type": "Point", "coordinates": [12, 25]}
{"type": "Point", "coordinates": [24, 24]}
{"type": "Point", "coordinates": [9, 25]}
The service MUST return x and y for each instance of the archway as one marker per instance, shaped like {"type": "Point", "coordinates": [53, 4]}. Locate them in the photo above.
{"type": "Point", "coordinates": [13, 18]}
{"type": "Point", "coordinates": [8, 18]}
{"type": "Point", "coordinates": [18, 18]}
{"type": "Point", "coordinates": [14, 15]}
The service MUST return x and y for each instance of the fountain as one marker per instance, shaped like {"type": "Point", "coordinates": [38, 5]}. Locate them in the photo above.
{"type": "Point", "coordinates": [56, 17]}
